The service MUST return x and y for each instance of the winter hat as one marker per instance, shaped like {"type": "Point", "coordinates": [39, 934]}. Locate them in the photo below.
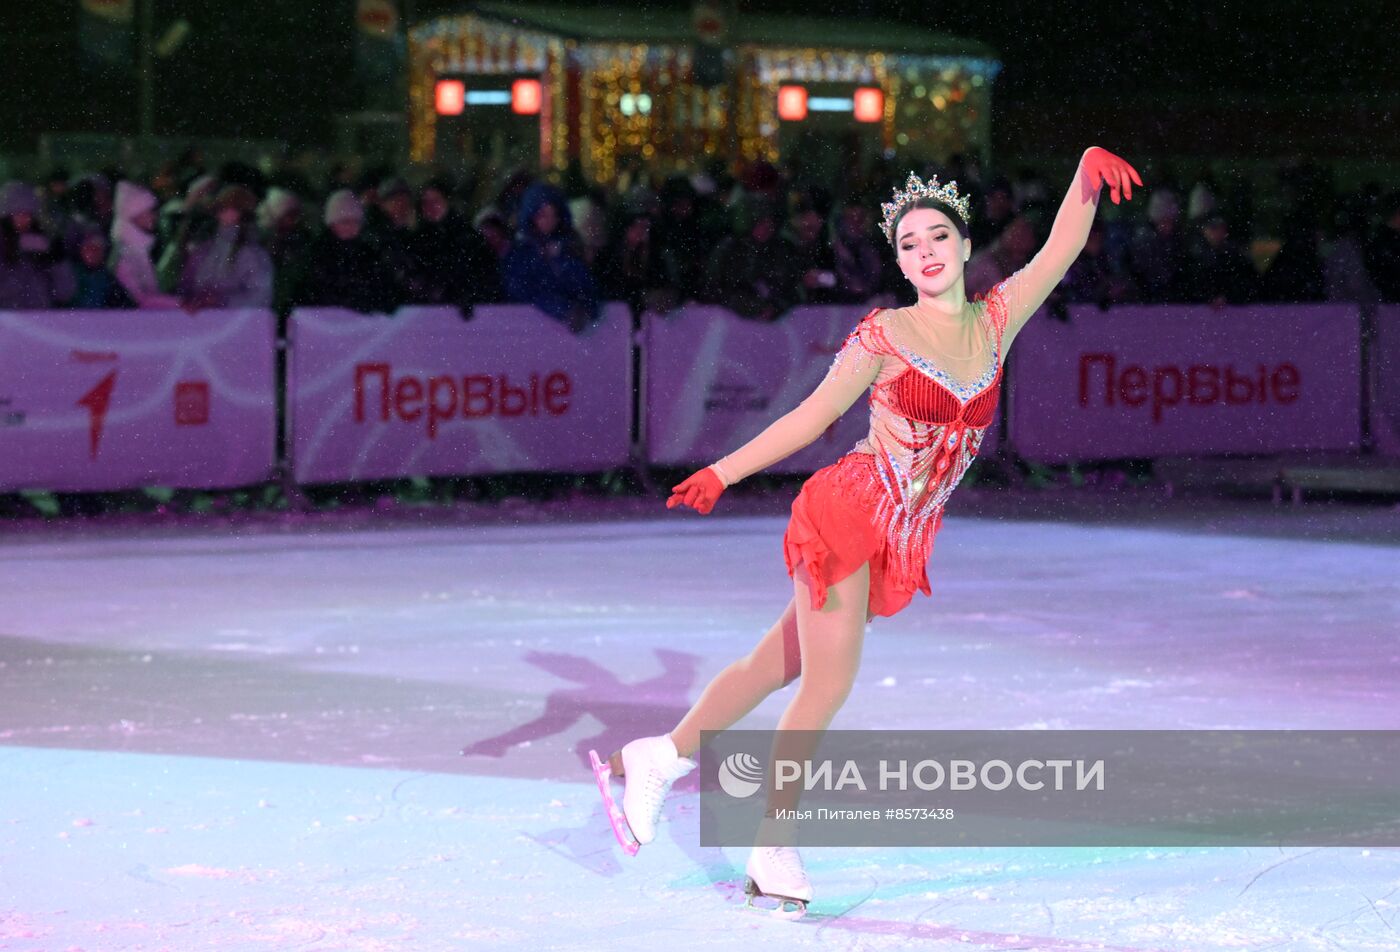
{"type": "Point", "coordinates": [591, 221]}
{"type": "Point", "coordinates": [343, 205]}
{"type": "Point", "coordinates": [132, 200]}
{"type": "Point", "coordinates": [279, 202]}
{"type": "Point", "coordinates": [18, 198]}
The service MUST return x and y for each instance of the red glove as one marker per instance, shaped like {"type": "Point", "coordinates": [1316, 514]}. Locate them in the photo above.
{"type": "Point", "coordinates": [1103, 167]}
{"type": "Point", "coordinates": [700, 491]}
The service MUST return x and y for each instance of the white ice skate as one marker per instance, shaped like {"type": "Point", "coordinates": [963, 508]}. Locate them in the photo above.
{"type": "Point", "coordinates": [775, 873]}
{"type": "Point", "coordinates": [602, 772]}
{"type": "Point", "coordinates": [651, 765]}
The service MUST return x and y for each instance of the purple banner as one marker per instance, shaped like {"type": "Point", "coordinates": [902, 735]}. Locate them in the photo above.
{"type": "Point", "coordinates": [106, 400]}
{"type": "Point", "coordinates": [1174, 380]}
{"type": "Point", "coordinates": [425, 393]}
{"type": "Point", "coordinates": [714, 381]}
{"type": "Point", "coordinates": [1385, 381]}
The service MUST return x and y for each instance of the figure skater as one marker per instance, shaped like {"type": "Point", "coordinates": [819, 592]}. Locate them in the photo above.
{"type": "Point", "coordinates": [861, 530]}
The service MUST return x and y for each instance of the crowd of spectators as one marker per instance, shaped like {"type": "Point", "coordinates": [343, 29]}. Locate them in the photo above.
{"type": "Point", "coordinates": [757, 241]}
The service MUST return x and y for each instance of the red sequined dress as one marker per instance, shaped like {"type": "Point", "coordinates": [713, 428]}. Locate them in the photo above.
{"type": "Point", "coordinates": [883, 501]}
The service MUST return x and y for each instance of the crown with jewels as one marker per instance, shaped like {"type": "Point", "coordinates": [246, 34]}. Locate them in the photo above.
{"type": "Point", "coordinates": [915, 189]}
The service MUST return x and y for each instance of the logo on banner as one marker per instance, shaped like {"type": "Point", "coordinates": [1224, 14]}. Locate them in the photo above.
{"type": "Point", "coordinates": [191, 403]}
{"type": "Point", "coordinates": [97, 400]}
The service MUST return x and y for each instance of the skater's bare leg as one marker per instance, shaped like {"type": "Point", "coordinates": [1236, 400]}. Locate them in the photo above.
{"type": "Point", "coordinates": [740, 687]}
{"type": "Point", "coordinates": [831, 640]}
{"type": "Point", "coordinates": [773, 663]}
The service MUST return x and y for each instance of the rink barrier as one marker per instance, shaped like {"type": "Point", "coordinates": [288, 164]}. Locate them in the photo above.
{"type": "Point", "coordinates": [1383, 385]}
{"type": "Point", "coordinates": [1180, 380]}
{"type": "Point", "coordinates": [108, 400]}
{"type": "Point", "coordinates": [715, 380]}
{"type": "Point", "coordinates": [426, 393]}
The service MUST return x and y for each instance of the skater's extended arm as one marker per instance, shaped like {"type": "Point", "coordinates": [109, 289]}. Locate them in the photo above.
{"type": "Point", "coordinates": [1028, 288]}
{"type": "Point", "coordinates": [852, 372]}
{"type": "Point", "coordinates": [855, 368]}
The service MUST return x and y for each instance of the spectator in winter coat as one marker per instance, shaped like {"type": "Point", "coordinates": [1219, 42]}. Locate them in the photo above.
{"type": "Point", "coordinates": [89, 205]}
{"type": "Point", "coordinates": [342, 269]}
{"type": "Point", "coordinates": [228, 267]}
{"type": "Point", "coordinates": [179, 223]}
{"type": "Point", "coordinates": [390, 230]}
{"type": "Point", "coordinates": [1296, 272]}
{"type": "Point", "coordinates": [96, 286]}
{"type": "Point", "coordinates": [631, 268]}
{"type": "Point", "coordinates": [133, 225]}
{"type": "Point", "coordinates": [815, 260]}
{"type": "Point", "coordinates": [1220, 269]}
{"type": "Point", "coordinates": [859, 263]}
{"type": "Point", "coordinates": [1157, 255]}
{"type": "Point", "coordinates": [456, 264]}
{"type": "Point", "coordinates": [545, 266]}
{"type": "Point", "coordinates": [495, 230]}
{"type": "Point", "coordinates": [681, 238]}
{"type": "Point", "coordinates": [287, 239]}
{"type": "Point", "coordinates": [753, 272]}
{"type": "Point", "coordinates": [1007, 254]}
{"type": "Point", "coordinates": [1094, 277]}
{"type": "Point", "coordinates": [1345, 261]}
{"type": "Point", "coordinates": [32, 274]}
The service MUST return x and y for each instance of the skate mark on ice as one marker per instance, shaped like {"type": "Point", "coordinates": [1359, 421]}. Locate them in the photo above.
{"type": "Point", "coordinates": [825, 920]}
{"type": "Point", "coordinates": [593, 853]}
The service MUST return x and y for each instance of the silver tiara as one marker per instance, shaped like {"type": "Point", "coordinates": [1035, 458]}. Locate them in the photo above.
{"type": "Point", "coordinates": [915, 189]}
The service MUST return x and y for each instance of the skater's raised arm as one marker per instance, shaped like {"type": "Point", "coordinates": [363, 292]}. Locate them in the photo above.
{"type": "Point", "coordinates": [1028, 288]}
{"type": "Point", "coordinates": [852, 372]}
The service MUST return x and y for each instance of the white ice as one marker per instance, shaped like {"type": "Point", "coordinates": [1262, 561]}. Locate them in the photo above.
{"type": "Point", "coordinates": [251, 740]}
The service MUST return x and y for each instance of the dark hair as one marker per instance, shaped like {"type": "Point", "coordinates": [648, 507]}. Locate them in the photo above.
{"type": "Point", "coordinates": [936, 205]}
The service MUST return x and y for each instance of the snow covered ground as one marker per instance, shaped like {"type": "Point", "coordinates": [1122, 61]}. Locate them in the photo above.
{"type": "Point", "coordinates": [250, 739]}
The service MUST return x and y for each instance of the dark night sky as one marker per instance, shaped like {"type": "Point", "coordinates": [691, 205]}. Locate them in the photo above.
{"type": "Point", "coordinates": [261, 68]}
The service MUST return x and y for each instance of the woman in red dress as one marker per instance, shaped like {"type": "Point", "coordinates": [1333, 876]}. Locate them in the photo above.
{"type": "Point", "coordinates": [861, 530]}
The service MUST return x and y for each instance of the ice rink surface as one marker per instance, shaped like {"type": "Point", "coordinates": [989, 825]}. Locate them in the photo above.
{"type": "Point", "coordinates": [249, 737]}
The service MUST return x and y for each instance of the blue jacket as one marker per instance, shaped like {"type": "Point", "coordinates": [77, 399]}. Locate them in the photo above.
{"type": "Point", "coordinates": [549, 272]}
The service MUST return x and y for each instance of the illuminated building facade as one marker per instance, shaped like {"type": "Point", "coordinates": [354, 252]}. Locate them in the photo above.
{"type": "Point", "coordinates": [620, 87]}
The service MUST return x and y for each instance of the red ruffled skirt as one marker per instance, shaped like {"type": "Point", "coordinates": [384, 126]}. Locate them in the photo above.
{"type": "Point", "coordinates": [833, 532]}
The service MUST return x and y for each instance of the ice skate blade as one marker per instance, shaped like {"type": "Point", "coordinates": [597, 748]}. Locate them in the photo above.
{"type": "Point", "coordinates": [603, 774]}
{"type": "Point", "coordinates": [785, 906]}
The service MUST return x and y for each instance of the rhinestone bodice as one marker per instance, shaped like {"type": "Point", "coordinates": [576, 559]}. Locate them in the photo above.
{"type": "Point", "coordinates": [925, 428]}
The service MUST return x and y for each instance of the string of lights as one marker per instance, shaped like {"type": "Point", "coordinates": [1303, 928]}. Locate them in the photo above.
{"type": "Point", "coordinates": [612, 103]}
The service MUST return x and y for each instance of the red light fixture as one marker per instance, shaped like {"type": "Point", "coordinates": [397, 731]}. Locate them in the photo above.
{"type": "Point", "coordinates": [450, 96]}
{"type": "Point", "coordinates": [869, 104]}
{"type": "Point", "coordinates": [792, 103]}
{"type": "Point", "coordinates": [526, 97]}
